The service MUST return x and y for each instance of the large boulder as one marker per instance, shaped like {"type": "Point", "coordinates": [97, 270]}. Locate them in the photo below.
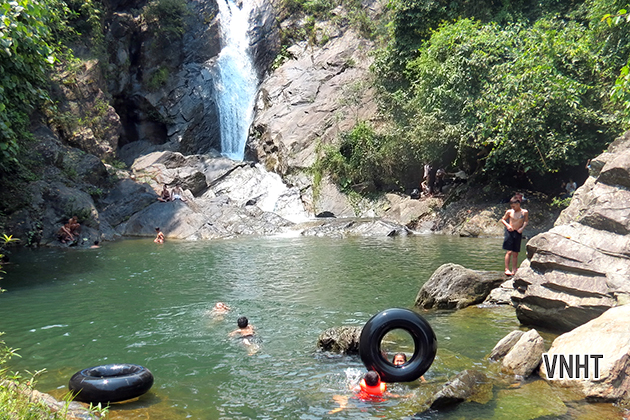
{"type": "Point", "coordinates": [302, 102]}
{"type": "Point", "coordinates": [608, 336]}
{"type": "Point", "coordinates": [344, 339]}
{"type": "Point", "coordinates": [125, 199]}
{"type": "Point", "coordinates": [453, 286]}
{"type": "Point", "coordinates": [581, 267]}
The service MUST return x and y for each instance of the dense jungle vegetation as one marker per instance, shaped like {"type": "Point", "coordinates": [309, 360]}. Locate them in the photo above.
{"type": "Point", "coordinates": [514, 91]}
{"type": "Point", "coordinates": [501, 88]}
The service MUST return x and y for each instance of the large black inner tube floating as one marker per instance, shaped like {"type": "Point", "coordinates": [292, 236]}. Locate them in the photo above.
{"type": "Point", "coordinates": [110, 383]}
{"type": "Point", "coordinates": [425, 344]}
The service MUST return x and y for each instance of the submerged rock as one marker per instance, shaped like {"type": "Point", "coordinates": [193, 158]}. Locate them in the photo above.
{"type": "Point", "coordinates": [469, 385]}
{"type": "Point", "coordinates": [581, 267]}
{"type": "Point", "coordinates": [344, 339]}
{"type": "Point", "coordinates": [608, 336]}
{"type": "Point", "coordinates": [530, 401]}
{"type": "Point", "coordinates": [454, 286]}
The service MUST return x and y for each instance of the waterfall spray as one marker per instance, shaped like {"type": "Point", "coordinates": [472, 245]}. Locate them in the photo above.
{"type": "Point", "coordinates": [237, 81]}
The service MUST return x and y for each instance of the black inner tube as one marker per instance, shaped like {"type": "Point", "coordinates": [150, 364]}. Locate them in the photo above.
{"type": "Point", "coordinates": [110, 383]}
{"type": "Point", "coordinates": [425, 344]}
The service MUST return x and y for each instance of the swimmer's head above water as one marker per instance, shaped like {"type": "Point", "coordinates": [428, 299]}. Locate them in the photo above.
{"type": "Point", "coordinates": [220, 306]}
{"type": "Point", "coordinates": [399, 359]}
{"type": "Point", "coordinates": [372, 378]}
{"type": "Point", "coordinates": [242, 322]}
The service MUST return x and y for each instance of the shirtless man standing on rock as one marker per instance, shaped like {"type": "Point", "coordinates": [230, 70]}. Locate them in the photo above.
{"type": "Point", "coordinates": [514, 220]}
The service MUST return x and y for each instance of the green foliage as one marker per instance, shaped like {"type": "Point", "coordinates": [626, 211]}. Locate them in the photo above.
{"type": "Point", "coordinates": [25, 57]}
{"type": "Point", "coordinates": [166, 18]}
{"type": "Point", "coordinates": [33, 35]}
{"type": "Point", "coordinates": [15, 396]}
{"type": "Point", "coordinates": [502, 98]}
{"type": "Point", "coordinates": [363, 162]}
{"type": "Point", "coordinates": [560, 203]}
{"type": "Point", "coordinates": [158, 78]}
{"type": "Point", "coordinates": [620, 92]}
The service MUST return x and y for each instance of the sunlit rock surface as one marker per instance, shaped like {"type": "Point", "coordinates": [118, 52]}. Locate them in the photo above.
{"type": "Point", "coordinates": [581, 267]}
{"type": "Point", "coordinates": [608, 336]}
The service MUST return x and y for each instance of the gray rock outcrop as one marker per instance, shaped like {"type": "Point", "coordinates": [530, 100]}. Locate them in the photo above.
{"type": "Point", "coordinates": [504, 345]}
{"type": "Point", "coordinates": [502, 295]}
{"type": "Point", "coordinates": [302, 102]}
{"type": "Point", "coordinates": [581, 267]}
{"type": "Point", "coordinates": [344, 339]}
{"type": "Point", "coordinates": [453, 286]}
{"type": "Point", "coordinates": [469, 385]}
{"type": "Point", "coordinates": [525, 356]}
{"type": "Point", "coordinates": [608, 336]}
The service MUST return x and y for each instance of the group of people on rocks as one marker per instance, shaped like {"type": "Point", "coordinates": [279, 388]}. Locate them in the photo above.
{"type": "Point", "coordinates": [69, 233]}
{"type": "Point", "coordinates": [433, 181]}
{"type": "Point", "coordinates": [176, 194]}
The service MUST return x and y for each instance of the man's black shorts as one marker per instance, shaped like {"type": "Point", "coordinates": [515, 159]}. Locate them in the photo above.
{"type": "Point", "coordinates": [512, 241]}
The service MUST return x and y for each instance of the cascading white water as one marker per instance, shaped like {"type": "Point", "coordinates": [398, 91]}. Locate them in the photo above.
{"type": "Point", "coordinates": [236, 82]}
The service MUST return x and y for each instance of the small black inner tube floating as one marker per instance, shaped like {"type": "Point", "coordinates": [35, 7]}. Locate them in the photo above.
{"type": "Point", "coordinates": [425, 344]}
{"type": "Point", "coordinates": [110, 383]}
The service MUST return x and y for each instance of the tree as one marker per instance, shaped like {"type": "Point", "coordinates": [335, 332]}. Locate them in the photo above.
{"type": "Point", "coordinates": [25, 58]}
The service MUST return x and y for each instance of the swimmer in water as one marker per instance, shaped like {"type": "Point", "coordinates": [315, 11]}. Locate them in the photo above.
{"type": "Point", "coordinates": [220, 308]}
{"type": "Point", "coordinates": [245, 330]}
{"type": "Point", "coordinates": [400, 359]}
{"type": "Point", "coordinates": [370, 387]}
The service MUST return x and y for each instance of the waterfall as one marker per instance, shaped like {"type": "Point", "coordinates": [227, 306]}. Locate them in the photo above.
{"type": "Point", "coordinates": [236, 82]}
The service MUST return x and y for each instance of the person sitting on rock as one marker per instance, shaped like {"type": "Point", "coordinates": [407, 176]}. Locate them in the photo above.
{"type": "Point", "coordinates": [159, 239]}
{"type": "Point", "coordinates": [65, 233]}
{"type": "Point", "coordinates": [75, 227]}
{"type": "Point", "coordinates": [178, 193]}
{"type": "Point", "coordinates": [165, 196]}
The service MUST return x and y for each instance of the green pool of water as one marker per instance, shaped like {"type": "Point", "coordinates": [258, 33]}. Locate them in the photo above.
{"type": "Point", "coordinates": [137, 302]}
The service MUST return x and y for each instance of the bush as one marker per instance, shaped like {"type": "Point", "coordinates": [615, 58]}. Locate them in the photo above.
{"type": "Point", "coordinates": [504, 99]}
{"type": "Point", "coordinates": [166, 18]}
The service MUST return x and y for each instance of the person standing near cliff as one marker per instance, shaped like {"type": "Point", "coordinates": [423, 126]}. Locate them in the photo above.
{"type": "Point", "coordinates": [515, 220]}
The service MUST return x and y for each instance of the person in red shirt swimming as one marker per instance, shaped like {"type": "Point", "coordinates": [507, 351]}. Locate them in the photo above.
{"type": "Point", "coordinates": [370, 388]}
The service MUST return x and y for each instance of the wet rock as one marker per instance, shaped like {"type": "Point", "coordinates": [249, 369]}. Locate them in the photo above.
{"type": "Point", "coordinates": [504, 345]}
{"type": "Point", "coordinates": [469, 385]}
{"type": "Point", "coordinates": [581, 267]}
{"type": "Point", "coordinates": [525, 356]}
{"type": "Point", "coordinates": [607, 335]}
{"type": "Point", "coordinates": [344, 339]}
{"type": "Point", "coordinates": [453, 286]}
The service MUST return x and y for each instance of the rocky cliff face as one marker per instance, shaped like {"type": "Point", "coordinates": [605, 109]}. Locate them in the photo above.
{"type": "Point", "coordinates": [308, 100]}
{"type": "Point", "coordinates": [581, 267]}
